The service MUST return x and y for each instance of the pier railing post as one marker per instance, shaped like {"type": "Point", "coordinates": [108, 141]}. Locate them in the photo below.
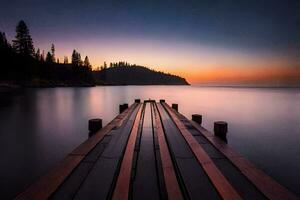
{"type": "Point", "coordinates": [94, 126]}
{"type": "Point", "coordinates": [221, 129]}
{"type": "Point", "coordinates": [197, 118]}
{"type": "Point", "coordinates": [123, 107]}
{"type": "Point", "coordinates": [175, 106]}
{"type": "Point", "coordinates": [137, 100]}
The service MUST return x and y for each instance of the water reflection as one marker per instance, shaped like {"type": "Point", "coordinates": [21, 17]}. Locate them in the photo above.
{"type": "Point", "coordinates": [40, 126]}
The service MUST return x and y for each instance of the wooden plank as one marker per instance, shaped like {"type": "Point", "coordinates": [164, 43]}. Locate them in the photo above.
{"type": "Point", "coordinates": [222, 185]}
{"type": "Point", "coordinates": [47, 185]}
{"type": "Point", "coordinates": [85, 147]}
{"type": "Point", "coordinates": [170, 179]}
{"type": "Point", "coordinates": [99, 183]}
{"type": "Point", "coordinates": [218, 143]}
{"type": "Point", "coordinates": [144, 174]}
{"type": "Point", "coordinates": [121, 190]}
{"type": "Point", "coordinates": [267, 185]}
{"type": "Point", "coordinates": [196, 183]}
{"type": "Point", "coordinates": [43, 188]}
{"type": "Point", "coordinates": [90, 143]}
{"type": "Point", "coordinates": [180, 148]}
{"type": "Point", "coordinates": [264, 183]}
{"type": "Point", "coordinates": [70, 186]}
{"type": "Point", "coordinates": [243, 186]}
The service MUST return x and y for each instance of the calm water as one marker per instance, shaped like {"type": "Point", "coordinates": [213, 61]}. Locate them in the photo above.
{"type": "Point", "coordinates": [40, 126]}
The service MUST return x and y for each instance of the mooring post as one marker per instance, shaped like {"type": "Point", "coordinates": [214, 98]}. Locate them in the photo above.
{"type": "Point", "coordinates": [137, 101]}
{"type": "Point", "coordinates": [197, 118]}
{"type": "Point", "coordinates": [123, 107]}
{"type": "Point", "coordinates": [162, 101]}
{"type": "Point", "coordinates": [94, 126]}
{"type": "Point", "coordinates": [175, 106]}
{"type": "Point", "coordinates": [220, 130]}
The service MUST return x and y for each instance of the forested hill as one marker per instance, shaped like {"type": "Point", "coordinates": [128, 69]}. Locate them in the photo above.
{"type": "Point", "coordinates": [135, 75]}
{"type": "Point", "coordinates": [22, 65]}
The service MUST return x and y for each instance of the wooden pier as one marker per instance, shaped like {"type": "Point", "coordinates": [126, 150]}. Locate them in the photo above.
{"type": "Point", "coordinates": [151, 151]}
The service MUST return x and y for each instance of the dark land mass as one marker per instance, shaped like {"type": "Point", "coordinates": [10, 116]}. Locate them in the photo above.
{"type": "Point", "coordinates": [19, 70]}
{"type": "Point", "coordinates": [24, 66]}
{"type": "Point", "coordinates": [136, 75]}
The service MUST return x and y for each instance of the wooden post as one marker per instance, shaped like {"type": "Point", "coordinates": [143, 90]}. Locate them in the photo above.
{"type": "Point", "coordinates": [220, 129]}
{"type": "Point", "coordinates": [162, 101]}
{"type": "Point", "coordinates": [137, 101]}
{"type": "Point", "coordinates": [197, 118]}
{"type": "Point", "coordinates": [175, 106]}
{"type": "Point", "coordinates": [94, 126]}
{"type": "Point", "coordinates": [123, 107]}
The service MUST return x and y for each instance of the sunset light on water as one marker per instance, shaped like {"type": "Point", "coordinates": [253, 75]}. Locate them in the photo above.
{"type": "Point", "coordinates": [149, 99]}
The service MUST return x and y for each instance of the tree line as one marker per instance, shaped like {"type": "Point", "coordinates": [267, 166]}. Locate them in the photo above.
{"type": "Point", "coordinates": [21, 64]}
{"type": "Point", "coordinates": [123, 73]}
{"type": "Point", "coordinates": [125, 65]}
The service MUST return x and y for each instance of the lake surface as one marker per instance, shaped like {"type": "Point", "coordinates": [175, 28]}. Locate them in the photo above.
{"type": "Point", "coordinates": [39, 127]}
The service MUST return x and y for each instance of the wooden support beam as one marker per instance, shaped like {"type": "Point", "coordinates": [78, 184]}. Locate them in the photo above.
{"type": "Point", "coordinates": [268, 186]}
{"type": "Point", "coordinates": [171, 183]}
{"type": "Point", "coordinates": [224, 188]}
{"type": "Point", "coordinates": [121, 190]}
{"type": "Point", "coordinates": [48, 184]}
{"type": "Point", "coordinates": [51, 181]}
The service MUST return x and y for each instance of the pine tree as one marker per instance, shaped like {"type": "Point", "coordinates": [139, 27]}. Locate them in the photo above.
{"type": "Point", "coordinates": [38, 55]}
{"type": "Point", "coordinates": [105, 65]}
{"type": "Point", "coordinates": [23, 43]}
{"type": "Point", "coordinates": [53, 52]}
{"type": "Point", "coordinates": [3, 41]}
{"type": "Point", "coordinates": [86, 63]}
{"type": "Point", "coordinates": [43, 56]}
{"type": "Point", "coordinates": [80, 62]}
{"type": "Point", "coordinates": [49, 58]}
{"type": "Point", "coordinates": [74, 58]}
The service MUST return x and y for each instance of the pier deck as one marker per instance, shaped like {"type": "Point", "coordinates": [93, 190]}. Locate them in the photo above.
{"type": "Point", "coordinates": [151, 151]}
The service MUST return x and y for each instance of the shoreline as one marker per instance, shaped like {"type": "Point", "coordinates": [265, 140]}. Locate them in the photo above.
{"type": "Point", "coordinates": [13, 86]}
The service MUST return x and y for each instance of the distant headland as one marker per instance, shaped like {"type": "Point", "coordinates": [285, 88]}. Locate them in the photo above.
{"type": "Point", "coordinates": [123, 73]}
{"type": "Point", "coordinates": [23, 65]}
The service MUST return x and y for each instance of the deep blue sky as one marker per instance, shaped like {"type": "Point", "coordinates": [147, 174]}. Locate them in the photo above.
{"type": "Point", "coordinates": [269, 28]}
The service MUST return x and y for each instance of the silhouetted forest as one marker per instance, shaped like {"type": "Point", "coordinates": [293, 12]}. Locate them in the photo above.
{"type": "Point", "coordinates": [23, 65]}
{"type": "Point", "coordinates": [123, 73]}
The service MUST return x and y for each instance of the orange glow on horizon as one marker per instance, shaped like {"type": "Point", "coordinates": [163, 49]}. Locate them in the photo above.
{"type": "Point", "coordinates": [263, 75]}
{"type": "Point", "coordinates": [199, 64]}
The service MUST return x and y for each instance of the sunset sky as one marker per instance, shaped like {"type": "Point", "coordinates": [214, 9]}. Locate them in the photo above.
{"type": "Point", "coordinates": [207, 42]}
